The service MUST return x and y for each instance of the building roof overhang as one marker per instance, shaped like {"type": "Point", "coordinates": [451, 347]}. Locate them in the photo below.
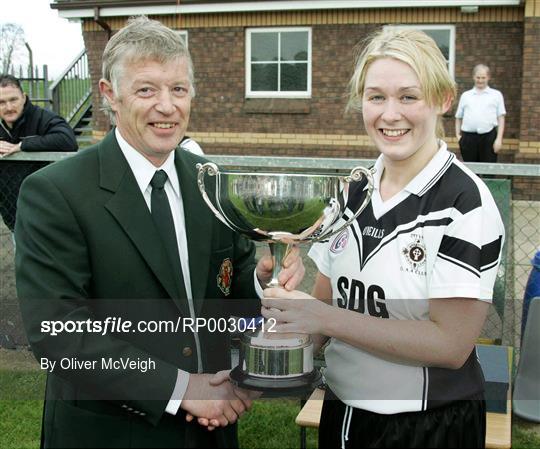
{"type": "Point", "coordinates": [79, 9]}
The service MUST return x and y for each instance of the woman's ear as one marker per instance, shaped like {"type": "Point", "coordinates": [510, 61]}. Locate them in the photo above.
{"type": "Point", "coordinates": [447, 103]}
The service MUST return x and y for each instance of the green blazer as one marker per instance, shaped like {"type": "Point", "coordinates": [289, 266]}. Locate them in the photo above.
{"type": "Point", "coordinates": [87, 249]}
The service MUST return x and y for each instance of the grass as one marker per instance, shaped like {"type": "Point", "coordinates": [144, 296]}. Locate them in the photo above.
{"type": "Point", "coordinates": [22, 386]}
{"type": "Point", "coordinates": [20, 424]}
{"type": "Point", "coordinates": [270, 423]}
{"type": "Point", "coordinates": [525, 434]}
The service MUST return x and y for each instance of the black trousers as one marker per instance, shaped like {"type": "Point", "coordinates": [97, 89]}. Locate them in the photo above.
{"type": "Point", "coordinates": [460, 424]}
{"type": "Point", "coordinates": [478, 147]}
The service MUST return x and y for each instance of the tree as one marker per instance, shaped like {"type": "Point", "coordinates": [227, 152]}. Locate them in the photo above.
{"type": "Point", "coordinates": [11, 46]}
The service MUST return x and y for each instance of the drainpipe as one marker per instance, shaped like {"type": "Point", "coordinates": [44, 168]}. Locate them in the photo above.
{"type": "Point", "coordinates": [107, 28]}
{"type": "Point", "coordinates": [102, 23]}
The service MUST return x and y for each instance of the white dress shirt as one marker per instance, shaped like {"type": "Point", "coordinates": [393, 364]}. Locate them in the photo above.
{"type": "Point", "coordinates": [479, 109]}
{"type": "Point", "coordinates": [144, 170]}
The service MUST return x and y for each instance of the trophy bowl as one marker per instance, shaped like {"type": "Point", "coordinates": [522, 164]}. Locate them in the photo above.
{"type": "Point", "coordinates": [282, 209]}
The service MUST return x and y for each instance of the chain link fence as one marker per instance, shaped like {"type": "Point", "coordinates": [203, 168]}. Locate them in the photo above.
{"type": "Point", "coordinates": [521, 218]}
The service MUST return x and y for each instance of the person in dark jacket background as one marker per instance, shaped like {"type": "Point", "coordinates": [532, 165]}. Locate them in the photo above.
{"type": "Point", "coordinates": [25, 127]}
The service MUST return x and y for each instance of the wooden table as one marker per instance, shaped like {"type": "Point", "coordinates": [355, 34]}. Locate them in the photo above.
{"type": "Point", "coordinates": [498, 425]}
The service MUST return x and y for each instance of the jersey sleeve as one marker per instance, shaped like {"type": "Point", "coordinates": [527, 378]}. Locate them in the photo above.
{"type": "Point", "coordinates": [320, 255]}
{"type": "Point", "coordinates": [470, 253]}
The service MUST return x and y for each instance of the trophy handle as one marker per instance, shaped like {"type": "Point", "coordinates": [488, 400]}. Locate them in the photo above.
{"type": "Point", "coordinates": [355, 175]}
{"type": "Point", "coordinates": [212, 170]}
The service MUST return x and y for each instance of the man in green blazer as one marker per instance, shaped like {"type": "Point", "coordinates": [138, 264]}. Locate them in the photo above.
{"type": "Point", "coordinates": [94, 265]}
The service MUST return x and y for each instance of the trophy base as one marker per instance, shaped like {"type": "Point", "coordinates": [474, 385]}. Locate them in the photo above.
{"type": "Point", "coordinates": [277, 387]}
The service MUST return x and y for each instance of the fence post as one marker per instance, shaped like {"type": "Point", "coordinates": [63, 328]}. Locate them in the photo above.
{"type": "Point", "coordinates": [46, 92]}
{"type": "Point", "coordinates": [35, 81]}
{"type": "Point", "coordinates": [30, 72]}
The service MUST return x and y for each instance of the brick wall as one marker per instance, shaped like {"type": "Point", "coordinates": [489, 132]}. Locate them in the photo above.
{"type": "Point", "coordinates": [220, 107]}
{"type": "Point", "coordinates": [530, 95]}
{"type": "Point", "coordinates": [529, 188]}
{"type": "Point", "coordinates": [499, 46]}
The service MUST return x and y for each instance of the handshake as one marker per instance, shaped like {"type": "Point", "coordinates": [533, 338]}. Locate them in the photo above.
{"type": "Point", "coordinates": [214, 401]}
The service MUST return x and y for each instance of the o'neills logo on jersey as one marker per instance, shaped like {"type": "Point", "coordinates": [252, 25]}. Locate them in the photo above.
{"type": "Point", "coordinates": [415, 256]}
{"type": "Point", "coordinates": [376, 233]}
{"type": "Point", "coordinates": [340, 242]}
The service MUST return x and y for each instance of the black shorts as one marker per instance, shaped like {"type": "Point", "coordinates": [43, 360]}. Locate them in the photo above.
{"type": "Point", "coordinates": [458, 424]}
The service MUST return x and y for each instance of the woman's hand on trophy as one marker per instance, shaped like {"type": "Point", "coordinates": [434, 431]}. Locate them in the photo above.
{"type": "Point", "coordinates": [292, 269]}
{"type": "Point", "coordinates": [294, 311]}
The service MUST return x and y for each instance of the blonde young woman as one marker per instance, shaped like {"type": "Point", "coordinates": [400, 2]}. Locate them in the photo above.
{"type": "Point", "coordinates": [403, 293]}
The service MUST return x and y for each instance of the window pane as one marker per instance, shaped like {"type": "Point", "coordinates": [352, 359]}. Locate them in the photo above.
{"type": "Point", "coordinates": [264, 46]}
{"type": "Point", "coordinates": [293, 77]}
{"type": "Point", "coordinates": [264, 77]}
{"type": "Point", "coordinates": [442, 39]}
{"type": "Point", "coordinates": [294, 46]}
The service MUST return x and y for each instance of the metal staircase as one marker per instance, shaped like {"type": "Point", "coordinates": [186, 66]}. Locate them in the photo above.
{"type": "Point", "coordinates": [71, 97]}
{"type": "Point", "coordinates": [83, 128]}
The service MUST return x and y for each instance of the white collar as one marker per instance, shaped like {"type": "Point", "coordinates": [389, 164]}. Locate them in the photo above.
{"type": "Point", "coordinates": [143, 169]}
{"type": "Point", "coordinates": [432, 171]}
{"type": "Point", "coordinates": [481, 91]}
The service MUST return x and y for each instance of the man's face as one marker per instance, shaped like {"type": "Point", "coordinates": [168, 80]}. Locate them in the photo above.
{"type": "Point", "coordinates": [481, 78]}
{"type": "Point", "coordinates": [152, 106]}
{"type": "Point", "coordinates": [11, 104]}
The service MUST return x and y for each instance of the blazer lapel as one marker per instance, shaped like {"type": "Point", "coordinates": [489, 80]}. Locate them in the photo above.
{"type": "Point", "coordinates": [199, 220]}
{"type": "Point", "coordinates": [128, 207]}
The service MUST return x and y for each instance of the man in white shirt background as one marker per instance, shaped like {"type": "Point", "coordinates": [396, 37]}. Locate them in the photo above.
{"type": "Point", "coordinates": [480, 119]}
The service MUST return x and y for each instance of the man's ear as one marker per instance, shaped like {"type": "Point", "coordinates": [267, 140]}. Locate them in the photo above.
{"type": "Point", "coordinates": [106, 90]}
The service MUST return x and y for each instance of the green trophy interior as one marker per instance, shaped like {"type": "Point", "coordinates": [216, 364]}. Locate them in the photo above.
{"type": "Point", "coordinates": [275, 214]}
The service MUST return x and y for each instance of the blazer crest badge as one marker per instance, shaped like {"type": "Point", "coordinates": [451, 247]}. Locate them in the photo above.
{"type": "Point", "coordinates": [224, 277]}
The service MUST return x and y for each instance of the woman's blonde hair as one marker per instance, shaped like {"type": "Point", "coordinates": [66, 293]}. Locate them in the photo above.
{"type": "Point", "coordinates": [414, 48]}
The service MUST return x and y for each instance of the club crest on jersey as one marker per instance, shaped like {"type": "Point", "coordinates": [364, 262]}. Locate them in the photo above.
{"type": "Point", "coordinates": [415, 255]}
{"type": "Point", "coordinates": [340, 242]}
{"type": "Point", "coordinates": [224, 277]}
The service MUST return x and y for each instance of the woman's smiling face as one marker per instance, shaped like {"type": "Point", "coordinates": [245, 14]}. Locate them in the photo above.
{"type": "Point", "coordinates": [397, 117]}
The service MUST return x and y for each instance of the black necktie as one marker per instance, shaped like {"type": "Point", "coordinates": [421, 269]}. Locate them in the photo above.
{"type": "Point", "coordinates": [162, 216]}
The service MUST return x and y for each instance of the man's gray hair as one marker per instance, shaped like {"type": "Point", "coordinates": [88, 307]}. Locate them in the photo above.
{"type": "Point", "coordinates": [142, 39]}
{"type": "Point", "coordinates": [479, 67]}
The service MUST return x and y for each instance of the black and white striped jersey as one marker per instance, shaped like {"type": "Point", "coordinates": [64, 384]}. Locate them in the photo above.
{"type": "Point", "coordinates": [441, 237]}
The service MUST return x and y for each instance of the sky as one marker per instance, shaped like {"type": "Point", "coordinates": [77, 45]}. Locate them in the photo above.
{"type": "Point", "coordinates": [54, 41]}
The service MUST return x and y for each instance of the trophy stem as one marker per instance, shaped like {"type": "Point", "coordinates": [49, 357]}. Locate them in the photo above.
{"type": "Point", "coordinates": [279, 251]}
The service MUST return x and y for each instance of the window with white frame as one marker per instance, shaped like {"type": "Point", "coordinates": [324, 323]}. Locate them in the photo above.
{"type": "Point", "coordinates": [445, 38]}
{"type": "Point", "coordinates": [278, 62]}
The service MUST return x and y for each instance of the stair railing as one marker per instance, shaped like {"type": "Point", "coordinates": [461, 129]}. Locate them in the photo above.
{"type": "Point", "coordinates": [71, 93]}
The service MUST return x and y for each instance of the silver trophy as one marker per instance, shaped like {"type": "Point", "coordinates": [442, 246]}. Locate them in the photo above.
{"type": "Point", "coordinates": [281, 209]}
